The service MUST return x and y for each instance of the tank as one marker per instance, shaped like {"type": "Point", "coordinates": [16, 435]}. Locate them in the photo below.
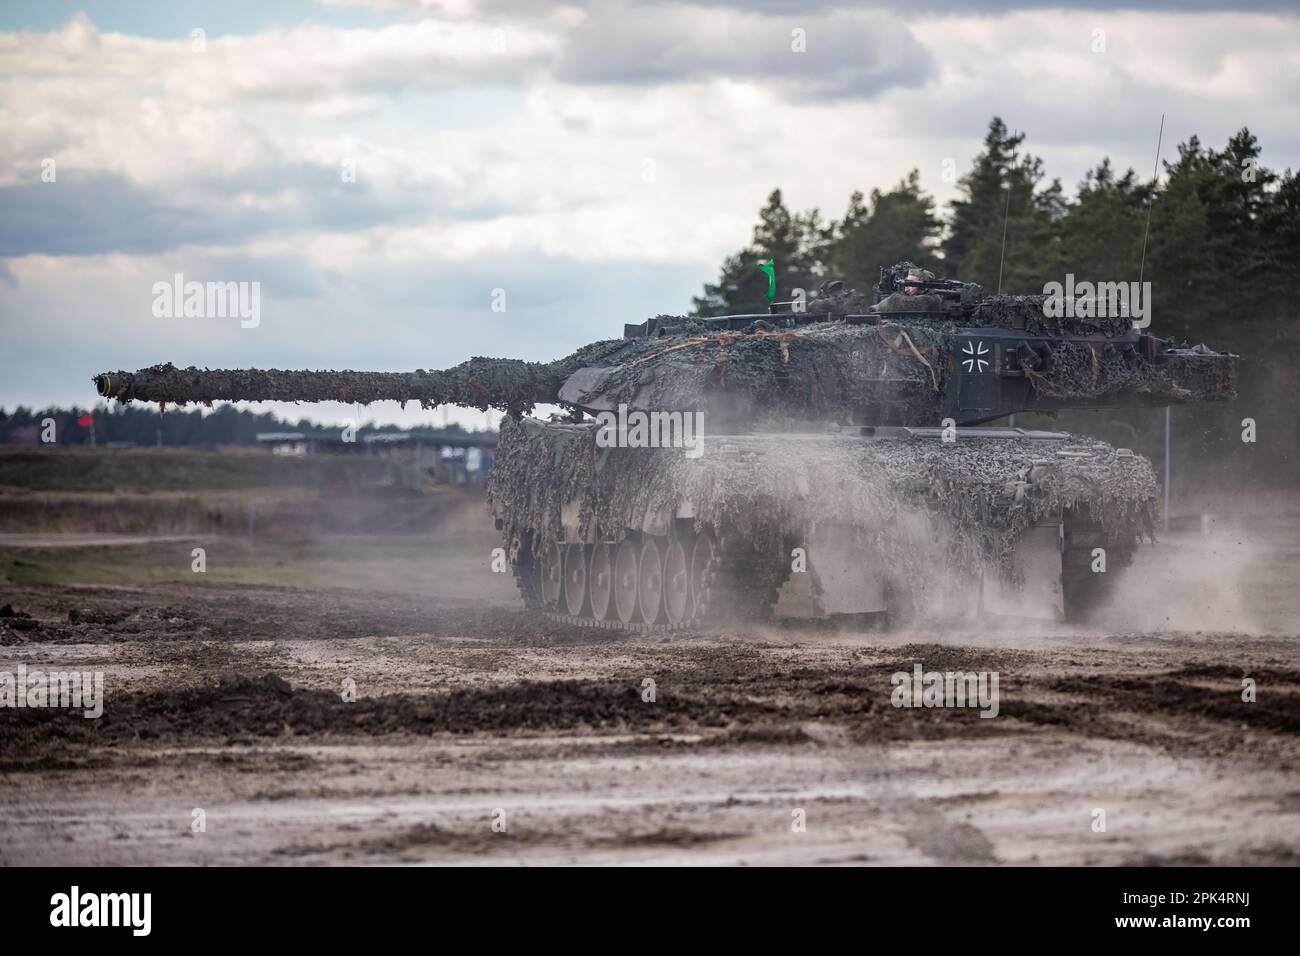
{"type": "Point", "coordinates": [829, 458]}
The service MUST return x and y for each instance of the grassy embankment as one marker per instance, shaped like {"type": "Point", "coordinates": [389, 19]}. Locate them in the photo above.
{"type": "Point", "coordinates": [321, 521]}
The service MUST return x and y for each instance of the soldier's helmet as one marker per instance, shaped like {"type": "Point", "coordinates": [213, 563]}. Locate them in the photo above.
{"type": "Point", "coordinates": [916, 274]}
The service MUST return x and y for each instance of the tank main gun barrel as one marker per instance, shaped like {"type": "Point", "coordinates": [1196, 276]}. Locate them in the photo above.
{"type": "Point", "coordinates": [511, 385]}
{"type": "Point", "coordinates": [515, 383]}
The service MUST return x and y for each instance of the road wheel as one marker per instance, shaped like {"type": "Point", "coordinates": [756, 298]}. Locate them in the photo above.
{"type": "Point", "coordinates": [552, 574]}
{"type": "Point", "coordinates": [601, 581]}
{"type": "Point", "coordinates": [625, 580]}
{"type": "Point", "coordinates": [650, 581]}
{"type": "Point", "coordinates": [575, 578]}
{"type": "Point", "coordinates": [677, 583]}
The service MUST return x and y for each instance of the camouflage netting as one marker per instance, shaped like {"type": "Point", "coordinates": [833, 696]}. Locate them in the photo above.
{"type": "Point", "coordinates": [907, 499]}
{"type": "Point", "coordinates": [895, 368]}
{"type": "Point", "coordinates": [894, 372]}
{"type": "Point", "coordinates": [828, 371]}
{"type": "Point", "coordinates": [1028, 312]}
{"type": "Point", "coordinates": [509, 384]}
{"type": "Point", "coordinates": [1095, 372]}
{"type": "Point", "coordinates": [825, 370]}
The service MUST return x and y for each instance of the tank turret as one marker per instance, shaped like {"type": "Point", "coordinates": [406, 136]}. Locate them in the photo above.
{"type": "Point", "coordinates": [926, 350]}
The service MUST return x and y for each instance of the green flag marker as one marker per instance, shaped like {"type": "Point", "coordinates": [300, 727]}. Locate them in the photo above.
{"type": "Point", "coordinates": [770, 268]}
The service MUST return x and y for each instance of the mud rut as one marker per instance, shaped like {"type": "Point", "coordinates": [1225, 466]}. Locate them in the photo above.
{"type": "Point", "coordinates": [465, 708]}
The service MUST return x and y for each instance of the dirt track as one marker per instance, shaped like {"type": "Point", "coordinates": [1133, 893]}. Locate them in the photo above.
{"type": "Point", "coordinates": [465, 709]}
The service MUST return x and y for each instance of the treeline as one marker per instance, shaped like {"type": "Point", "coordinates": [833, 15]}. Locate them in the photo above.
{"type": "Point", "coordinates": [1223, 259]}
{"type": "Point", "coordinates": [140, 425]}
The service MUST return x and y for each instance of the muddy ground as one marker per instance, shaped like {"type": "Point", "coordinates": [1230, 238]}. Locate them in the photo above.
{"type": "Point", "coordinates": [225, 696]}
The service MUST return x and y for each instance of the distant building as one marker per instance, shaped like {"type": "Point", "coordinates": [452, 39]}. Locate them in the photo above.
{"type": "Point", "coordinates": [446, 456]}
{"type": "Point", "coordinates": [293, 444]}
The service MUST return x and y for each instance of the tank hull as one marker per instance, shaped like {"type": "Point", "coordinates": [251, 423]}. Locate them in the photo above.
{"type": "Point", "coordinates": [906, 522]}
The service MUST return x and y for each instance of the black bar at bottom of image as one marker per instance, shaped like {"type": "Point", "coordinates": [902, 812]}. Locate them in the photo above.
{"type": "Point", "coordinates": [337, 904]}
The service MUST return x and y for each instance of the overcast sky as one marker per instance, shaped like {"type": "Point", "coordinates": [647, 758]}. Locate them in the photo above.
{"type": "Point", "coordinates": [595, 161]}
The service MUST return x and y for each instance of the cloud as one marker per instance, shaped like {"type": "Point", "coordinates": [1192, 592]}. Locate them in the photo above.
{"type": "Point", "coordinates": [103, 212]}
{"type": "Point", "coordinates": [457, 9]}
{"type": "Point", "coordinates": [844, 55]}
{"type": "Point", "coordinates": [100, 212]}
{"type": "Point", "coordinates": [306, 63]}
{"type": "Point", "coordinates": [1051, 84]}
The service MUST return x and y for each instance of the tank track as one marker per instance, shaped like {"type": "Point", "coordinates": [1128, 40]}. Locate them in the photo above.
{"type": "Point", "coordinates": [738, 586]}
{"type": "Point", "coordinates": [1083, 591]}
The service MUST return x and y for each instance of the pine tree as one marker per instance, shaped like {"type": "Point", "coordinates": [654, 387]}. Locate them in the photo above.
{"type": "Point", "coordinates": [797, 242]}
{"type": "Point", "coordinates": [897, 225]}
{"type": "Point", "coordinates": [1001, 195]}
{"type": "Point", "coordinates": [1101, 234]}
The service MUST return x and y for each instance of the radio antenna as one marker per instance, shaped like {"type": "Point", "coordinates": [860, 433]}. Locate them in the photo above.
{"type": "Point", "coordinates": [1006, 215]}
{"type": "Point", "coordinates": [1155, 171]}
